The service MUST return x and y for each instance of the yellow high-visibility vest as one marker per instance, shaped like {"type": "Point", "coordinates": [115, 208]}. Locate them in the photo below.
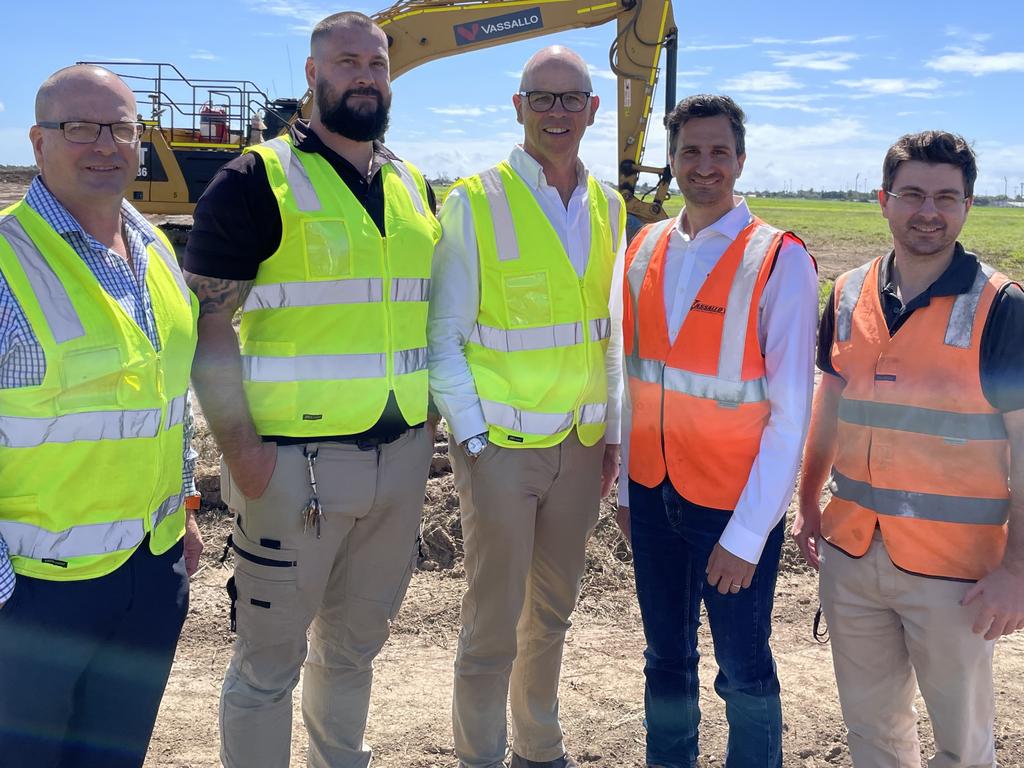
{"type": "Point", "coordinates": [537, 353]}
{"type": "Point", "coordinates": [337, 317]}
{"type": "Point", "coordinates": [91, 459]}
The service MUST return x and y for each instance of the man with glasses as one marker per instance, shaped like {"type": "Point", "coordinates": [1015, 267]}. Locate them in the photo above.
{"type": "Point", "coordinates": [97, 333]}
{"type": "Point", "coordinates": [920, 416]}
{"type": "Point", "coordinates": [524, 363]}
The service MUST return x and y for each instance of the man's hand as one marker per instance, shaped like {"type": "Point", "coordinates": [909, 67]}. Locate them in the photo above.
{"type": "Point", "coordinates": [1000, 599]}
{"type": "Point", "coordinates": [251, 470]}
{"type": "Point", "coordinates": [806, 532]}
{"type": "Point", "coordinates": [193, 543]}
{"type": "Point", "coordinates": [622, 520]}
{"type": "Point", "coordinates": [727, 572]}
{"type": "Point", "coordinates": [609, 469]}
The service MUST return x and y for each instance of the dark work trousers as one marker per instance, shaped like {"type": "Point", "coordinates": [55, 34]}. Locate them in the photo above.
{"type": "Point", "coordinates": [83, 664]}
{"type": "Point", "coordinates": [672, 541]}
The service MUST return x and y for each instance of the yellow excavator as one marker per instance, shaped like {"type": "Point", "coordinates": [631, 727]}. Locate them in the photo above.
{"type": "Point", "coordinates": [195, 126]}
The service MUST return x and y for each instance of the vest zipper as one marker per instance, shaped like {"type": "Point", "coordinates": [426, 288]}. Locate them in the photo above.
{"type": "Point", "coordinates": [577, 411]}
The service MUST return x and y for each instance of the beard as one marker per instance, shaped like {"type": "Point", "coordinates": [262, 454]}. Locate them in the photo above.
{"type": "Point", "coordinates": [357, 124]}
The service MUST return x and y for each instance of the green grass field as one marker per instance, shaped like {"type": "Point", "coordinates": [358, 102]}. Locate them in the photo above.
{"type": "Point", "coordinates": [858, 231]}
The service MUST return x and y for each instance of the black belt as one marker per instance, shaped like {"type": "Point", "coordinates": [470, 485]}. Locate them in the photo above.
{"type": "Point", "coordinates": [370, 443]}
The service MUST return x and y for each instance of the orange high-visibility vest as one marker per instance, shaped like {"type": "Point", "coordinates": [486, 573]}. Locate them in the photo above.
{"type": "Point", "coordinates": [701, 404]}
{"type": "Point", "coordinates": [921, 451]}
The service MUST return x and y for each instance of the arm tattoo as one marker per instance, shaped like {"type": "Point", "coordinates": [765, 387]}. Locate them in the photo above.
{"type": "Point", "coordinates": [218, 295]}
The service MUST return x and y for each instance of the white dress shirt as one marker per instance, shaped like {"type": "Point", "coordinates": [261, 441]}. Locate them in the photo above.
{"type": "Point", "coordinates": [787, 321]}
{"type": "Point", "coordinates": [455, 295]}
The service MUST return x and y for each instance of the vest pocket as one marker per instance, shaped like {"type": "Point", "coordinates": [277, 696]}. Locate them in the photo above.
{"type": "Point", "coordinates": [527, 299]}
{"type": "Point", "coordinates": [327, 248]}
{"type": "Point", "coordinates": [91, 378]}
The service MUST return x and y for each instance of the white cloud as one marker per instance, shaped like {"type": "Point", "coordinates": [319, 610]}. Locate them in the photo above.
{"type": "Point", "coordinates": [694, 72]}
{"type": "Point", "coordinates": [893, 86]}
{"type": "Point", "coordinates": [459, 110]}
{"type": "Point", "coordinates": [976, 63]}
{"type": "Point", "coordinates": [204, 55]}
{"type": "Point", "coordinates": [789, 102]}
{"type": "Point", "coordinates": [819, 60]}
{"type": "Point", "coordinates": [977, 37]}
{"type": "Point", "coordinates": [1, 106]}
{"type": "Point", "coordinates": [714, 47]}
{"type": "Point", "coordinates": [112, 59]}
{"type": "Point", "coordinates": [759, 82]}
{"type": "Point", "coordinates": [304, 14]}
{"type": "Point", "coordinates": [604, 74]}
{"type": "Point", "coordinates": [830, 40]}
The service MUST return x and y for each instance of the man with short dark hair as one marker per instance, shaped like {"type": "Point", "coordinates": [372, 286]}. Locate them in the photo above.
{"type": "Point", "coordinates": [719, 319]}
{"type": "Point", "coordinates": [97, 332]}
{"type": "Point", "coordinates": [920, 416]}
{"type": "Point", "coordinates": [324, 239]}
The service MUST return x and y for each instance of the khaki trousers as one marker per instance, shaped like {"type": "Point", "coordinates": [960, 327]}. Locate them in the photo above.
{"type": "Point", "coordinates": [885, 625]}
{"type": "Point", "coordinates": [345, 587]}
{"type": "Point", "coordinates": [526, 516]}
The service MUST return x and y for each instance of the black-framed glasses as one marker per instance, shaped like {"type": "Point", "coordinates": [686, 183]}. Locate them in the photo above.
{"type": "Point", "coordinates": [84, 132]}
{"type": "Point", "coordinates": [914, 199]}
{"type": "Point", "coordinates": [544, 101]}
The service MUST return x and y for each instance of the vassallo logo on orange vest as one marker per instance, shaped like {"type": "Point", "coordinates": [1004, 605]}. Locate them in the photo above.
{"type": "Point", "coordinates": [698, 306]}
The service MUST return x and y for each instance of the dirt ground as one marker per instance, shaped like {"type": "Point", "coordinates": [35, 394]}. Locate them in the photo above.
{"type": "Point", "coordinates": [602, 680]}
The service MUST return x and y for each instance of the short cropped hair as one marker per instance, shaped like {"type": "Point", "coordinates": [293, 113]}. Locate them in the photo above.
{"type": "Point", "coordinates": [342, 19]}
{"type": "Point", "coordinates": [706, 105]}
{"type": "Point", "coordinates": [936, 147]}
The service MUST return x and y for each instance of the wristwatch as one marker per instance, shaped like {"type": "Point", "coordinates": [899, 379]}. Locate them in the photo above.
{"type": "Point", "coordinates": [475, 445]}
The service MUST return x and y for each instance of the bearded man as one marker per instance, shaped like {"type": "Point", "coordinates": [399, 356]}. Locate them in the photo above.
{"type": "Point", "coordinates": [324, 239]}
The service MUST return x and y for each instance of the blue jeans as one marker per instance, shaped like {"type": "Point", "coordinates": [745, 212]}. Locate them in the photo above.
{"type": "Point", "coordinates": [672, 541]}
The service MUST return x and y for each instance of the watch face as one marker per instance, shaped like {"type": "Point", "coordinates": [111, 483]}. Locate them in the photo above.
{"type": "Point", "coordinates": [475, 445]}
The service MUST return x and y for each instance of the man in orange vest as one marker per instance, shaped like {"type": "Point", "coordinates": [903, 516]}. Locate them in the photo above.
{"type": "Point", "coordinates": [719, 319]}
{"type": "Point", "coordinates": [920, 414]}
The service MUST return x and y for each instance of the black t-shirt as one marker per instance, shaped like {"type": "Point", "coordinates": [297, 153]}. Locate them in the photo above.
{"type": "Point", "coordinates": [1002, 341]}
{"type": "Point", "coordinates": [237, 226]}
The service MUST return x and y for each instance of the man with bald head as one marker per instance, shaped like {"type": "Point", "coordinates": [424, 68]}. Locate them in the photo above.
{"type": "Point", "coordinates": [97, 333]}
{"type": "Point", "coordinates": [524, 365]}
{"type": "Point", "coordinates": [324, 239]}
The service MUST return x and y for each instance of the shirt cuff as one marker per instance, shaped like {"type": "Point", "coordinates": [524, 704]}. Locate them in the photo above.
{"type": "Point", "coordinates": [468, 423]}
{"type": "Point", "coordinates": [742, 542]}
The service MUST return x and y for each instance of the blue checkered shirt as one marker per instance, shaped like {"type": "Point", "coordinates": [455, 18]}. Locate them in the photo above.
{"type": "Point", "coordinates": [22, 362]}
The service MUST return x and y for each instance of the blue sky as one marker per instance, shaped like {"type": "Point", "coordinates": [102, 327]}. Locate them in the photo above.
{"type": "Point", "coordinates": [827, 86]}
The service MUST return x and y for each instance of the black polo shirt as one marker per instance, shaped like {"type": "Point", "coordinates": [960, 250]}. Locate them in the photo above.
{"type": "Point", "coordinates": [1002, 341]}
{"type": "Point", "coordinates": [237, 226]}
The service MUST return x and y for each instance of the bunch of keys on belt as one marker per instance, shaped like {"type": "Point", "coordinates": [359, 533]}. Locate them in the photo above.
{"type": "Point", "coordinates": [313, 513]}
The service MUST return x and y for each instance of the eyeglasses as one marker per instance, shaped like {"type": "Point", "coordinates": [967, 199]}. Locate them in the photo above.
{"type": "Point", "coordinates": [82, 132]}
{"type": "Point", "coordinates": [944, 201]}
{"type": "Point", "coordinates": [544, 101]}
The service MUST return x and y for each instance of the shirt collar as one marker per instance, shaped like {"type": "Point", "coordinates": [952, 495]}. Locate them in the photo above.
{"type": "Point", "coordinates": [533, 173]}
{"type": "Point", "coordinates": [957, 278]}
{"type": "Point", "coordinates": [306, 139]}
{"type": "Point", "coordinates": [730, 225]}
{"type": "Point", "coordinates": [53, 212]}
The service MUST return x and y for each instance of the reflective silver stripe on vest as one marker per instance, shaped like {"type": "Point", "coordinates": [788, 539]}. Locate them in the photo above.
{"type": "Point", "coordinates": [306, 198]}
{"type": "Point", "coordinates": [172, 265]}
{"type": "Point", "coordinates": [410, 185]}
{"type": "Point", "coordinates": [594, 413]}
{"type": "Point", "coordinates": [726, 393]}
{"type": "Point", "coordinates": [638, 268]}
{"type": "Point", "coordinates": [168, 507]}
{"type": "Point", "coordinates": [920, 506]}
{"type": "Point", "coordinates": [848, 299]}
{"type": "Point", "coordinates": [544, 337]}
{"type": "Point", "coordinates": [410, 289]}
{"type": "Point", "coordinates": [614, 211]}
{"type": "Point", "coordinates": [29, 432]}
{"type": "Point", "coordinates": [527, 339]}
{"type": "Point", "coordinates": [501, 215]}
{"type": "Point", "coordinates": [313, 367]}
{"type": "Point", "coordinates": [600, 329]}
{"type": "Point", "coordinates": [410, 361]}
{"type": "Point", "coordinates": [175, 411]}
{"type": "Point", "coordinates": [530, 422]}
{"type": "Point", "coordinates": [51, 295]}
{"type": "Point", "coordinates": [650, 371]}
{"type": "Point", "coordinates": [38, 543]}
{"type": "Point", "coordinates": [737, 308]}
{"type": "Point", "coordinates": [314, 294]}
{"type": "Point", "coordinates": [925, 421]}
{"type": "Point", "coordinates": [965, 308]}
